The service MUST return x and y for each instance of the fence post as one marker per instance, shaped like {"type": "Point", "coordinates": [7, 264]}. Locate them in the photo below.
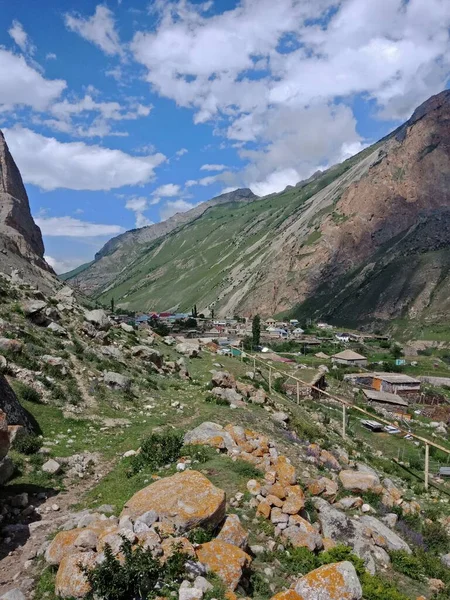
{"type": "Point", "coordinates": [270, 379]}
{"type": "Point", "coordinates": [427, 464]}
{"type": "Point", "coordinates": [254, 367]}
{"type": "Point", "coordinates": [298, 392]}
{"type": "Point", "coordinates": [344, 421]}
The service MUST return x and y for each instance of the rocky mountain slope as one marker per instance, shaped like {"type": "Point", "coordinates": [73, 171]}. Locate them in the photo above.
{"type": "Point", "coordinates": [21, 245]}
{"type": "Point", "coordinates": [120, 252]}
{"type": "Point", "coordinates": [323, 236]}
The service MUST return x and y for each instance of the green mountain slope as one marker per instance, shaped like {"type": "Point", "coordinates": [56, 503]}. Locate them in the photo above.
{"type": "Point", "coordinates": [75, 272]}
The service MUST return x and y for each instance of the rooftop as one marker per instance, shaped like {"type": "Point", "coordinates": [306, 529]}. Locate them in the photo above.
{"type": "Point", "coordinates": [384, 397]}
{"type": "Point", "coordinates": [349, 355]}
{"type": "Point", "coordinates": [389, 377]}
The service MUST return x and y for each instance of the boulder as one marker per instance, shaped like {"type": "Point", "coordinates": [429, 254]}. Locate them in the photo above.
{"type": "Point", "coordinates": [98, 318]}
{"type": "Point", "coordinates": [280, 417]}
{"type": "Point", "coordinates": [302, 534]}
{"type": "Point", "coordinates": [32, 308]}
{"type": "Point", "coordinates": [210, 434]}
{"type": "Point", "coordinates": [6, 469]}
{"type": "Point", "coordinates": [336, 581]}
{"type": "Point", "coordinates": [286, 595]}
{"type": "Point", "coordinates": [358, 481]}
{"type": "Point", "coordinates": [14, 594]}
{"type": "Point", "coordinates": [56, 361]}
{"type": "Point", "coordinates": [233, 532]}
{"type": "Point", "coordinates": [4, 436]}
{"type": "Point", "coordinates": [65, 297]}
{"type": "Point", "coordinates": [226, 560]}
{"type": "Point", "coordinates": [127, 328]}
{"type": "Point", "coordinates": [259, 396]}
{"type": "Point", "coordinates": [62, 545]}
{"type": "Point", "coordinates": [189, 350]}
{"type": "Point", "coordinates": [285, 471]}
{"type": "Point", "coordinates": [8, 345]}
{"type": "Point", "coordinates": [223, 379]}
{"type": "Point", "coordinates": [228, 394]}
{"type": "Point", "coordinates": [57, 329]}
{"type": "Point", "coordinates": [10, 405]}
{"type": "Point", "coordinates": [70, 582]}
{"type": "Point", "coordinates": [445, 560]}
{"type": "Point", "coordinates": [382, 535]}
{"type": "Point", "coordinates": [112, 352]}
{"type": "Point", "coordinates": [116, 380]}
{"type": "Point", "coordinates": [52, 467]}
{"type": "Point", "coordinates": [148, 354]}
{"type": "Point", "coordinates": [186, 500]}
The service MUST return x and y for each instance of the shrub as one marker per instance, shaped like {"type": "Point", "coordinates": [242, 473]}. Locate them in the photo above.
{"type": "Point", "coordinates": [27, 444]}
{"type": "Point", "coordinates": [26, 392]}
{"type": "Point", "coordinates": [298, 561]}
{"type": "Point", "coordinates": [138, 575]}
{"type": "Point", "coordinates": [407, 564]}
{"type": "Point", "coordinates": [158, 450]}
{"type": "Point", "coordinates": [436, 538]}
{"type": "Point", "coordinates": [198, 453]}
{"type": "Point", "coordinates": [210, 398]}
{"type": "Point", "coordinates": [199, 535]}
{"type": "Point", "coordinates": [245, 469]}
{"type": "Point", "coordinates": [376, 588]}
{"type": "Point", "coordinates": [259, 587]}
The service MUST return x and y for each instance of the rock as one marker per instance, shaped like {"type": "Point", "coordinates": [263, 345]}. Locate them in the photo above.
{"type": "Point", "coordinates": [32, 307]}
{"type": "Point", "coordinates": [10, 405]}
{"type": "Point", "coordinates": [210, 434]}
{"type": "Point", "coordinates": [14, 594]}
{"type": "Point", "coordinates": [358, 481]}
{"type": "Point", "coordinates": [86, 540]}
{"type": "Point", "coordinates": [112, 352]}
{"type": "Point", "coordinates": [4, 436]}
{"type": "Point", "coordinates": [295, 500]}
{"type": "Point", "coordinates": [62, 545]}
{"type": "Point", "coordinates": [52, 467]}
{"type": "Point", "coordinates": [324, 486]}
{"type": "Point", "coordinates": [382, 535]}
{"type": "Point", "coordinates": [186, 500]}
{"type": "Point", "coordinates": [70, 582]}
{"type": "Point", "coordinates": [116, 380]}
{"type": "Point", "coordinates": [189, 593]}
{"type": "Point", "coordinates": [302, 534]}
{"type": "Point", "coordinates": [170, 544]}
{"type": "Point", "coordinates": [57, 329]}
{"type": "Point", "coordinates": [169, 340]}
{"type": "Point", "coordinates": [336, 581]}
{"type": "Point", "coordinates": [189, 350]}
{"type": "Point", "coordinates": [349, 502]}
{"type": "Point", "coordinates": [65, 297]}
{"type": "Point", "coordinates": [201, 583]}
{"type": "Point", "coordinates": [149, 517]}
{"type": "Point", "coordinates": [233, 532]}
{"type": "Point", "coordinates": [280, 417]}
{"type": "Point", "coordinates": [228, 394]}
{"type": "Point", "coordinates": [224, 559]}
{"type": "Point", "coordinates": [8, 345]}
{"type": "Point", "coordinates": [285, 471]}
{"type": "Point", "coordinates": [390, 520]}
{"type": "Point", "coordinates": [98, 318]}
{"type": "Point", "coordinates": [55, 361]}
{"type": "Point", "coordinates": [223, 379]}
{"type": "Point", "coordinates": [286, 595]}
{"type": "Point", "coordinates": [259, 396]}
{"type": "Point", "coordinates": [127, 328]}
{"type": "Point", "coordinates": [445, 560]}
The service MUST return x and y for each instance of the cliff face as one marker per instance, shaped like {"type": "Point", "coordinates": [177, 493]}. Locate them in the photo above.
{"type": "Point", "coordinates": [320, 245]}
{"type": "Point", "coordinates": [21, 245]}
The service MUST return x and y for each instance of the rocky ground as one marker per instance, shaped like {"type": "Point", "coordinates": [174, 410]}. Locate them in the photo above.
{"type": "Point", "coordinates": [110, 433]}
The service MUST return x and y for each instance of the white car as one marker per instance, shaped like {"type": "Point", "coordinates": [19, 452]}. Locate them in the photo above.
{"type": "Point", "coordinates": [391, 429]}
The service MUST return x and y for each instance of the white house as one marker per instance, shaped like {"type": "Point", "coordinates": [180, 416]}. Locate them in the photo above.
{"type": "Point", "coordinates": [342, 337]}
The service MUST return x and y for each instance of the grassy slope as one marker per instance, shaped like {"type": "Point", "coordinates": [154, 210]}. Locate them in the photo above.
{"type": "Point", "coordinates": [75, 272]}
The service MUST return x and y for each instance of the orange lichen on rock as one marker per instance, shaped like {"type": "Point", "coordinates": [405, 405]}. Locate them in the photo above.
{"type": "Point", "coordinates": [62, 545]}
{"type": "Point", "coordinates": [233, 532]}
{"type": "Point", "coordinates": [186, 500]}
{"type": "Point", "coordinates": [295, 500]}
{"type": "Point", "coordinates": [224, 559]}
{"type": "Point", "coordinates": [285, 471]}
{"type": "Point", "coordinates": [70, 582]}
{"type": "Point", "coordinates": [286, 595]}
{"type": "Point", "coordinates": [336, 581]}
{"type": "Point", "coordinates": [171, 545]}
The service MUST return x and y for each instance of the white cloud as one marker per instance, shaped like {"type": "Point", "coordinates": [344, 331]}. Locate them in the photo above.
{"type": "Point", "coordinates": [99, 29]}
{"type": "Point", "coordinates": [63, 265]}
{"type": "Point", "coordinates": [167, 190]}
{"type": "Point", "coordinates": [204, 181]}
{"type": "Point", "coordinates": [138, 205]}
{"type": "Point", "coordinates": [181, 152]}
{"type": "Point", "coordinates": [50, 164]}
{"type": "Point", "coordinates": [172, 207]}
{"type": "Point", "coordinates": [20, 36]}
{"type": "Point", "coordinates": [70, 227]}
{"type": "Point", "coordinates": [50, 56]}
{"type": "Point", "coordinates": [213, 168]}
{"type": "Point", "coordinates": [21, 85]}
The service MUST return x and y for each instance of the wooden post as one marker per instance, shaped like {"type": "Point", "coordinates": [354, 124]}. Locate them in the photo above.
{"type": "Point", "coordinates": [270, 379]}
{"type": "Point", "coordinates": [298, 392]}
{"type": "Point", "coordinates": [427, 464]}
{"type": "Point", "coordinates": [242, 351]}
{"type": "Point", "coordinates": [254, 367]}
{"type": "Point", "coordinates": [344, 421]}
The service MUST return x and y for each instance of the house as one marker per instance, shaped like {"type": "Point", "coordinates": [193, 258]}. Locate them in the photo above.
{"type": "Point", "coordinates": [349, 359]}
{"type": "Point", "coordinates": [385, 398]}
{"type": "Point", "coordinates": [321, 355]}
{"type": "Point", "coordinates": [342, 337]}
{"type": "Point", "coordinates": [298, 331]}
{"type": "Point", "coordinates": [277, 332]}
{"type": "Point", "coordinates": [394, 383]}
{"type": "Point", "coordinates": [270, 322]}
{"type": "Point", "coordinates": [324, 326]}
{"type": "Point", "coordinates": [293, 322]}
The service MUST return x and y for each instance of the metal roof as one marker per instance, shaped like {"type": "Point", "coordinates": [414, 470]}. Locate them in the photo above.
{"type": "Point", "coordinates": [389, 377]}
{"type": "Point", "coordinates": [349, 355]}
{"type": "Point", "coordinates": [384, 397]}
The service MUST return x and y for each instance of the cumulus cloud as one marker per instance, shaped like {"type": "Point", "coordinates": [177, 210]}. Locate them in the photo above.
{"type": "Point", "coordinates": [50, 164]}
{"type": "Point", "coordinates": [263, 62]}
{"type": "Point", "coordinates": [100, 29]}
{"type": "Point", "coordinates": [171, 207]}
{"type": "Point", "coordinates": [20, 36]}
{"type": "Point", "coordinates": [204, 181]}
{"type": "Point", "coordinates": [22, 85]}
{"type": "Point", "coordinates": [181, 152]}
{"type": "Point", "coordinates": [70, 227]}
{"type": "Point", "coordinates": [138, 205]}
{"type": "Point", "coordinates": [167, 190]}
{"type": "Point", "coordinates": [213, 167]}
{"type": "Point", "coordinates": [63, 265]}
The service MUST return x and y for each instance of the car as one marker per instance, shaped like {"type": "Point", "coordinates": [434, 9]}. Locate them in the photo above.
{"type": "Point", "coordinates": [391, 429]}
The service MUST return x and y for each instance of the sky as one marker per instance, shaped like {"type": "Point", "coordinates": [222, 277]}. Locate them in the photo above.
{"type": "Point", "coordinates": [123, 113]}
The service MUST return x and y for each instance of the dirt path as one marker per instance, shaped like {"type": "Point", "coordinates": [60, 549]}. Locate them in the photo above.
{"type": "Point", "coordinates": [18, 568]}
{"type": "Point", "coordinates": [87, 398]}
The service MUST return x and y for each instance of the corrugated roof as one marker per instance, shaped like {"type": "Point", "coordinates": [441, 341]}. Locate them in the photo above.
{"type": "Point", "coordinates": [384, 397]}
{"type": "Point", "coordinates": [349, 355]}
{"type": "Point", "coordinates": [389, 377]}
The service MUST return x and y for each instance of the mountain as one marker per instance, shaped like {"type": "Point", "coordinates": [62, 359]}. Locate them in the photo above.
{"type": "Point", "coordinates": [364, 240]}
{"type": "Point", "coordinates": [21, 245]}
{"type": "Point", "coordinates": [120, 252]}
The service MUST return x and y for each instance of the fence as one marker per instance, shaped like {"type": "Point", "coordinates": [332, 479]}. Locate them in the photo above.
{"type": "Point", "coordinates": [346, 406]}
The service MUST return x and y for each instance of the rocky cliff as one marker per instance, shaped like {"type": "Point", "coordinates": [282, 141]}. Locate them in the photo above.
{"type": "Point", "coordinates": [312, 240]}
{"type": "Point", "coordinates": [21, 245]}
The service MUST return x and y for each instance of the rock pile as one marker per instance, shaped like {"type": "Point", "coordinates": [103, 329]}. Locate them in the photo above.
{"type": "Point", "coordinates": [225, 386]}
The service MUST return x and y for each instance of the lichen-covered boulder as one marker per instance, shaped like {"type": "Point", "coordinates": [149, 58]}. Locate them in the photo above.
{"type": "Point", "coordinates": [223, 379]}
{"type": "Point", "coordinates": [286, 595]}
{"type": "Point", "coordinates": [358, 481]}
{"type": "Point", "coordinates": [295, 500]}
{"type": "Point", "coordinates": [62, 545]}
{"type": "Point", "coordinates": [70, 582]}
{"type": "Point", "coordinates": [337, 581]}
{"type": "Point", "coordinates": [285, 471]}
{"type": "Point", "coordinates": [301, 534]}
{"type": "Point", "coordinates": [210, 434]}
{"type": "Point", "coordinates": [185, 500]}
{"type": "Point", "coordinates": [233, 532]}
{"type": "Point", "coordinates": [226, 560]}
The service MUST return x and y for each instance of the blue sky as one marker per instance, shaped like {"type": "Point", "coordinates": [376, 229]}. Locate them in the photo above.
{"type": "Point", "coordinates": [122, 113]}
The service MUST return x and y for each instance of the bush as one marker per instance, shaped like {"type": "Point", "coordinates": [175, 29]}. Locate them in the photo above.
{"type": "Point", "coordinates": [217, 400]}
{"type": "Point", "coordinates": [138, 575]}
{"type": "Point", "coordinates": [27, 444]}
{"type": "Point", "coordinates": [298, 561]}
{"type": "Point", "coordinates": [259, 587]}
{"type": "Point", "coordinates": [407, 564]}
{"type": "Point", "coordinates": [436, 538]}
{"type": "Point", "coordinates": [158, 450]}
{"type": "Point", "coordinates": [199, 535]}
{"type": "Point", "coordinates": [198, 452]}
{"type": "Point", "coordinates": [26, 392]}
{"type": "Point", "coordinates": [245, 469]}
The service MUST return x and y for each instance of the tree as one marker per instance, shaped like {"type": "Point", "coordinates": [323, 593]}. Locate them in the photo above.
{"type": "Point", "coordinates": [112, 305]}
{"type": "Point", "coordinates": [194, 311]}
{"type": "Point", "coordinates": [256, 330]}
{"type": "Point", "coordinates": [212, 314]}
